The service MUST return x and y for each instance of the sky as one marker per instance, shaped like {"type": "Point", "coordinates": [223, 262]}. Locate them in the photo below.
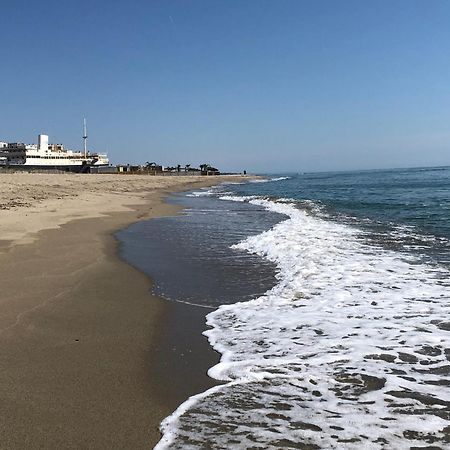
{"type": "Point", "coordinates": [265, 86]}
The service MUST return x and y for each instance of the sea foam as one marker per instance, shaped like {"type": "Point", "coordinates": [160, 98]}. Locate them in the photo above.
{"type": "Point", "coordinates": [349, 350]}
{"type": "Point", "coordinates": [268, 180]}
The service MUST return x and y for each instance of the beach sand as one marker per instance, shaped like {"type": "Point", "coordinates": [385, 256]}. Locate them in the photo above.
{"type": "Point", "coordinates": [89, 357]}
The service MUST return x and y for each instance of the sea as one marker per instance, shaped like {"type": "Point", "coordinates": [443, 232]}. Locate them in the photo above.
{"type": "Point", "coordinates": [327, 296]}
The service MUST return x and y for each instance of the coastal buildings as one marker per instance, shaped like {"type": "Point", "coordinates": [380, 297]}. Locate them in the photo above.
{"type": "Point", "coordinates": [17, 155]}
{"type": "Point", "coordinates": [54, 156]}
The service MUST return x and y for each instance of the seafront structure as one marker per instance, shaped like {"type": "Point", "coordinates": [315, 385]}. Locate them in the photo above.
{"type": "Point", "coordinates": [45, 156]}
{"type": "Point", "coordinates": [17, 155]}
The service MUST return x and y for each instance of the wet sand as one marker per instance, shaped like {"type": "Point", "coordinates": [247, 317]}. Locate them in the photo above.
{"type": "Point", "coordinates": [88, 357]}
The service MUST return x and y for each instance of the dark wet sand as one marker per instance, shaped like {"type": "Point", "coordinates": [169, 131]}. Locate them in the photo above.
{"type": "Point", "coordinates": [89, 359]}
{"type": "Point", "coordinates": [182, 353]}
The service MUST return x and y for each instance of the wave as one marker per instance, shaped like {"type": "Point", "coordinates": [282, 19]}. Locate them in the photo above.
{"type": "Point", "coordinates": [269, 180]}
{"type": "Point", "coordinates": [349, 349]}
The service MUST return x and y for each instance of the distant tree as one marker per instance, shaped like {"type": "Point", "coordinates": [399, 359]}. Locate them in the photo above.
{"type": "Point", "coordinates": [186, 167]}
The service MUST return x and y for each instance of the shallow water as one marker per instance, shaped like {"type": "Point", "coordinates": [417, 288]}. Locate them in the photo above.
{"type": "Point", "coordinates": [193, 259]}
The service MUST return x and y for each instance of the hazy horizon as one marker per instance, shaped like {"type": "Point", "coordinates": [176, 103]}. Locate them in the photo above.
{"type": "Point", "coordinates": [273, 87]}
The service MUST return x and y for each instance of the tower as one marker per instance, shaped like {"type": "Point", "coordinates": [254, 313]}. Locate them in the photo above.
{"type": "Point", "coordinates": [85, 137]}
{"type": "Point", "coordinates": [43, 142]}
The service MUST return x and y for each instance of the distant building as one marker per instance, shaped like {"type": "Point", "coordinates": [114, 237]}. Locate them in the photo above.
{"type": "Point", "coordinates": [103, 169]}
{"type": "Point", "coordinates": [121, 168]}
{"type": "Point", "coordinates": [17, 155]}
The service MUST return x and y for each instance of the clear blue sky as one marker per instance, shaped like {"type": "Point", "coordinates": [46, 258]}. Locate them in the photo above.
{"type": "Point", "coordinates": [259, 85]}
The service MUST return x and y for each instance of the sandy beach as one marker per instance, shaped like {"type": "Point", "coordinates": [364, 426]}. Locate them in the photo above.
{"type": "Point", "coordinates": [81, 337]}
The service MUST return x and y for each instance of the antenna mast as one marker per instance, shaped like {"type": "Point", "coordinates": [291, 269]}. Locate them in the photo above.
{"type": "Point", "coordinates": [85, 137]}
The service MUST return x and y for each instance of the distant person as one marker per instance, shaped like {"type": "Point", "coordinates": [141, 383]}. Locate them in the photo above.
{"type": "Point", "coordinates": [245, 172]}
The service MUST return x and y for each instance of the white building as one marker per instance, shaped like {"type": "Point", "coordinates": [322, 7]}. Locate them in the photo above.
{"type": "Point", "coordinates": [48, 156]}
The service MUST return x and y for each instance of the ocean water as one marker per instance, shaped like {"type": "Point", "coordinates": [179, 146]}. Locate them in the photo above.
{"type": "Point", "coordinates": [336, 333]}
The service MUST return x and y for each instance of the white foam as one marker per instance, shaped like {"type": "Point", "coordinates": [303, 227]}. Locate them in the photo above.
{"type": "Point", "coordinates": [205, 192]}
{"type": "Point", "coordinates": [349, 350]}
{"type": "Point", "coordinates": [268, 180]}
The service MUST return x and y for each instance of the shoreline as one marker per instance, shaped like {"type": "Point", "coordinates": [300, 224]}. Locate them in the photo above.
{"type": "Point", "coordinates": [81, 332]}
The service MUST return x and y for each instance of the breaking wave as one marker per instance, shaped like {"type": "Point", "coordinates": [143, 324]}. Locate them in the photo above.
{"type": "Point", "coordinates": [349, 350]}
{"type": "Point", "coordinates": [268, 180]}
